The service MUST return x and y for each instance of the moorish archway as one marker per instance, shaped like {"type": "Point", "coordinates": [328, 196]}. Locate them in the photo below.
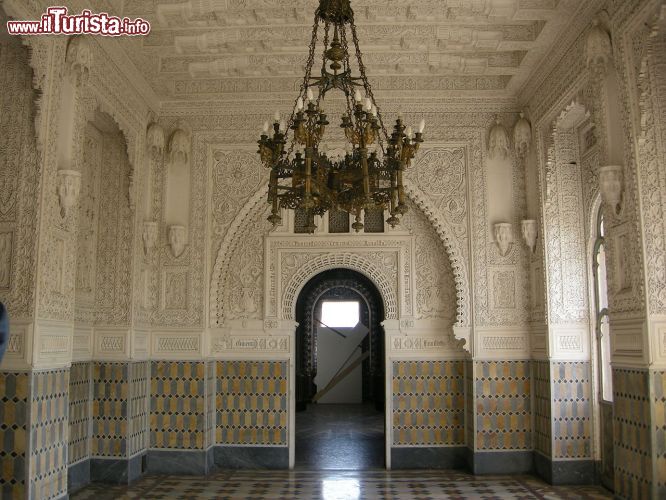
{"type": "Point", "coordinates": [339, 284]}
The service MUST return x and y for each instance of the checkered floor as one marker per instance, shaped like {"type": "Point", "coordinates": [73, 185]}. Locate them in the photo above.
{"type": "Point", "coordinates": [334, 485]}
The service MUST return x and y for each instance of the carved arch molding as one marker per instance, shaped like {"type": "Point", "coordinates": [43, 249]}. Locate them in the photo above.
{"type": "Point", "coordinates": [290, 262]}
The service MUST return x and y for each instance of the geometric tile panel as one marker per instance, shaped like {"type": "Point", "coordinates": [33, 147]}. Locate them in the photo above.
{"type": "Point", "coordinates": [138, 407]}
{"type": "Point", "coordinates": [49, 433]}
{"type": "Point", "coordinates": [110, 412]}
{"type": "Point", "coordinates": [469, 404]}
{"type": "Point", "coordinates": [211, 388]}
{"type": "Point", "coordinates": [659, 423]}
{"type": "Point", "coordinates": [177, 404]}
{"type": "Point", "coordinates": [428, 403]}
{"type": "Point", "coordinates": [543, 433]}
{"type": "Point", "coordinates": [631, 433]}
{"type": "Point", "coordinates": [252, 402]}
{"type": "Point", "coordinates": [571, 410]}
{"type": "Point", "coordinates": [80, 403]}
{"type": "Point", "coordinates": [14, 389]}
{"type": "Point", "coordinates": [503, 414]}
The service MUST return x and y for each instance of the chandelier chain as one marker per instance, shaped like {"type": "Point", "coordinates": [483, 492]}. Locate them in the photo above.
{"type": "Point", "coordinates": [349, 93]}
{"type": "Point", "coordinates": [366, 82]}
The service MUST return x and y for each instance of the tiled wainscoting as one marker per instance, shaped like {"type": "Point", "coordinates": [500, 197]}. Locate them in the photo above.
{"type": "Point", "coordinates": [659, 426]}
{"type": "Point", "coordinates": [252, 414]}
{"type": "Point", "coordinates": [563, 422]}
{"type": "Point", "coordinates": [633, 470]}
{"type": "Point", "coordinates": [114, 421]}
{"type": "Point", "coordinates": [501, 418]}
{"type": "Point", "coordinates": [14, 394]}
{"type": "Point", "coordinates": [428, 418]}
{"type": "Point", "coordinates": [34, 433]}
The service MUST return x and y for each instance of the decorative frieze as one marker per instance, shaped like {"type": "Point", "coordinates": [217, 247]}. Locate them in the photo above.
{"type": "Point", "coordinates": [501, 343]}
{"type": "Point", "coordinates": [569, 341]}
{"type": "Point", "coordinates": [112, 343]}
{"type": "Point", "coordinates": [177, 344]}
{"type": "Point", "coordinates": [247, 344]}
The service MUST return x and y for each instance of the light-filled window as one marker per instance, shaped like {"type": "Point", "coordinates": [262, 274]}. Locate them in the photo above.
{"type": "Point", "coordinates": [338, 314]}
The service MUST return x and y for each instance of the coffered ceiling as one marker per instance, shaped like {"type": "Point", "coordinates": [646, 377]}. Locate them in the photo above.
{"type": "Point", "coordinates": [250, 49]}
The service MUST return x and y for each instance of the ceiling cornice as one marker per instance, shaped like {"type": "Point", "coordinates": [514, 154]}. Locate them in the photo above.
{"type": "Point", "coordinates": [580, 20]}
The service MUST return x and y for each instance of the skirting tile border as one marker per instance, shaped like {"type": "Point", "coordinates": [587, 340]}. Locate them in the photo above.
{"type": "Point", "coordinates": [251, 457]}
{"type": "Point", "coordinates": [78, 476]}
{"type": "Point", "coordinates": [117, 470]}
{"type": "Point", "coordinates": [565, 472]}
{"type": "Point", "coordinates": [180, 462]}
{"type": "Point", "coordinates": [428, 457]}
{"type": "Point", "coordinates": [500, 462]}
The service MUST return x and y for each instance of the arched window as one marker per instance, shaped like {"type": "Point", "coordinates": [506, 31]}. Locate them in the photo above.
{"type": "Point", "coordinates": [601, 311]}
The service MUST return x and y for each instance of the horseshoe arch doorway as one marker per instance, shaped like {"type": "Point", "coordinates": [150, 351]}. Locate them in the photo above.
{"type": "Point", "coordinates": [340, 373]}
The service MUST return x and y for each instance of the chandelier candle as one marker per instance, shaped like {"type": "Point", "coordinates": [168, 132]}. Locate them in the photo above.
{"type": "Point", "coordinates": [370, 176]}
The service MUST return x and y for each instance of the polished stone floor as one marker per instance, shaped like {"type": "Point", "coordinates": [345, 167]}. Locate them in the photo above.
{"type": "Point", "coordinates": [340, 437]}
{"type": "Point", "coordinates": [339, 455]}
{"type": "Point", "coordinates": [340, 485]}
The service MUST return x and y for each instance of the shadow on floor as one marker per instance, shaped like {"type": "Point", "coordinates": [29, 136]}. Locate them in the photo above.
{"type": "Point", "coordinates": [340, 437]}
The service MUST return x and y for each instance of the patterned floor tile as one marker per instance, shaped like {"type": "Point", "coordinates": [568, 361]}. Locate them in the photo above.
{"type": "Point", "coordinates": [341, 485]}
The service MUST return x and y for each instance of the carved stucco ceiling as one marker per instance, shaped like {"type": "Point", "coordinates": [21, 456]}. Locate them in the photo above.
{"type": "Point", "coordinates": [247, 49]}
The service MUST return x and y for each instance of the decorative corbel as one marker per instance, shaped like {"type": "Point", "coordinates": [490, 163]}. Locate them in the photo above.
{"type": "Point", "coordinates": [150, 233]}
{"type": "Point", "coordinates": [69, 186]}
{"type": "Point", "coordinates": [598, 48]}
{"type": "Point", "coordinates": [529, 232]}
{"type": "Point", "coordinates": [179, 147]}
{"type": "Point", "coordinates": [79, 59]}
{"type": "Point", "coordinates": [177, 240]}
{"type": "Point", "coordinates": [611, 179]}
{"type": "Point", "coordinates": [155, 140]}
{"type": "Point", "coordinates": [522, 136]}
{"type": "Point", "coordinates": [503, 237]}
{"type": "Point", "coordinates": [498, 141]}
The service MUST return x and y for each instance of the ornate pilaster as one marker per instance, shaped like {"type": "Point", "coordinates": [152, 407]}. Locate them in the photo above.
{"type": "Point", "coordinates": [562, 371]}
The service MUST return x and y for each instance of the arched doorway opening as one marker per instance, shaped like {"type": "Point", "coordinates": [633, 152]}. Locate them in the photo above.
{"type": "Point", "coordinates": [340, 372]}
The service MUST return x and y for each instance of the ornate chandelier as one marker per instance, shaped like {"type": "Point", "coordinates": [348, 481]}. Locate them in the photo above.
{"type": "Point", "coordinates": [370, 174]}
